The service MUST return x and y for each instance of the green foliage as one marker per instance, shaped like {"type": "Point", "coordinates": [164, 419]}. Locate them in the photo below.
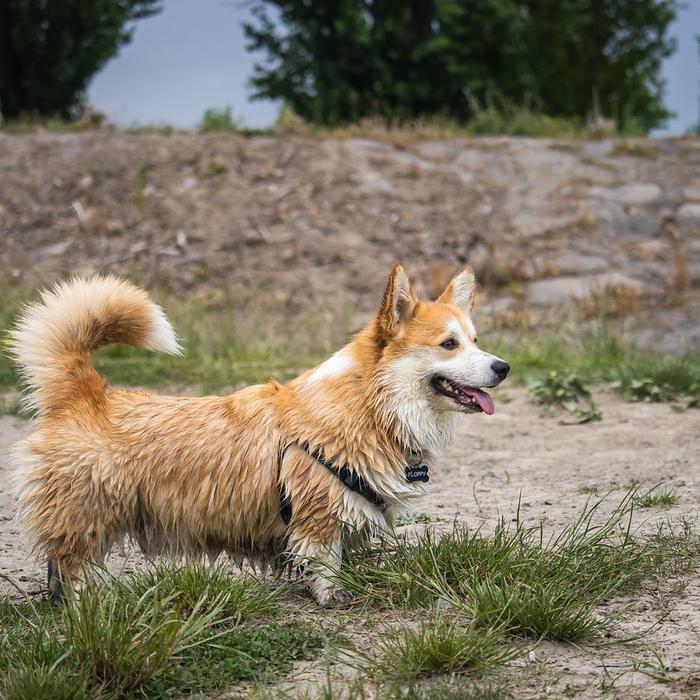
{"type": "Point", "coordinates": [219, 120]}
{"type": "Point", "coordinates": [565, 391]}
{"type": "Point", "coordinates": [50, 50]}
{"type": "Point", "coordinates": [499, 115]}
{"type": "Point", "coordinates": [338, 62]}
{"type": "Point", "coordinates": [545, 588]}
{"type": "Point", "coordinates": [644, 389]}
{"type": "Point", "coordinates": [123, 641]}
{"type": "Point", "coordinates": [602, 357]}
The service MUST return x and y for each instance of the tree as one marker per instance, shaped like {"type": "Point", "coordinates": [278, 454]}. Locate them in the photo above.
{"type": "Point", "coordinates": [336, 61]}
{"type": "Point", "coordinates": [49, 50]}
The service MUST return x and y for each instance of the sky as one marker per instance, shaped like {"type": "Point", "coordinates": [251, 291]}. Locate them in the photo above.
{"type": "Point", "coordinates": [192, 56]}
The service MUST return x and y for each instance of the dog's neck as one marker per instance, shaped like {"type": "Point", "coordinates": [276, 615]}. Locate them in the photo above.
{"type": "Point", "coordinates": [358, 415]}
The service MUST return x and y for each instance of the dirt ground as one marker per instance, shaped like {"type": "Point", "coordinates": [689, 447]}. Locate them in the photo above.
{"type": "Point", "coordinates": [520, 453]}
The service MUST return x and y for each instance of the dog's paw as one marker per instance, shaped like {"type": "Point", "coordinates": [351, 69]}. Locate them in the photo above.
{"type": "Point", "coordinates": [341, 599]}
{"type": "Point", "coordinates": [327, 594]}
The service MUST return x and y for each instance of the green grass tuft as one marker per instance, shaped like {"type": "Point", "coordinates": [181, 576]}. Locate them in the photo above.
{"type": "Point", "coordinates": [542, 587]}
{"type": "Point", "coordinates": [44, 683]}
{"type": "Point", "coordinates": [153, 635]}
{"type": "Point", "coordinates": [215, 119]}
{"type": "Point", "coordinates": [197, 586]}
{"type": "Point", "coordinates": [258, 653]}
{"type": "Point", "coordinates": [123, 639]}
{"type": "Point", "coordinates": [601, 358]}
{"type": "Point", "coordinates": [657, 499]}
{"type": "Point", "coordinates": [442, 647]}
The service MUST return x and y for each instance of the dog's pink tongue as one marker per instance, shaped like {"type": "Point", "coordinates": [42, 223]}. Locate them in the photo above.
{"type": "Point", "coordinates": [484, 400]}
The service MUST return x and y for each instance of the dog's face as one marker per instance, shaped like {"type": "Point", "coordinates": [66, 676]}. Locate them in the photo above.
{"type": "Point", "coordinates": [430, 351]}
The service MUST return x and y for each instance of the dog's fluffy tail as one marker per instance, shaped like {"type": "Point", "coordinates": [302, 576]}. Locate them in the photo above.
{"type": "Point", "coordinates": [53, 339]}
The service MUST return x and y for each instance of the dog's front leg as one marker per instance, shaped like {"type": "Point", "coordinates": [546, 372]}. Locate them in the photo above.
{"type": "Point", "coordinates": [324, 561]}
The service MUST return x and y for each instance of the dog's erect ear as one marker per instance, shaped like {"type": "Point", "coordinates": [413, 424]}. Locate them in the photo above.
{"type": "Point", "coordinates": [461, 291]}
{"type": "Point", "coordinates": [398, 303]}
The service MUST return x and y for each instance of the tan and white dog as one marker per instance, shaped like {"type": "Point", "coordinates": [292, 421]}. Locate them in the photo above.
{"type": "Point", "coordinates": [296, 469]}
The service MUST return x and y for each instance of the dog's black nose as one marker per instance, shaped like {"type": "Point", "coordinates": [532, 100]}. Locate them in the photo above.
{"type": "Point", "coordinates": [500, 368]}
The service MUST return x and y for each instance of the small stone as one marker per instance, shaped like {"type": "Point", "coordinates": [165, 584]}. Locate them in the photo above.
{"type": "Point", "coordinates": [555, 291]}
{"type": "Point", "coordinates": [54, 250]}
{"type": "Point", "coordinates": [575, 264]}
{"type": "Point", "coordinates": [692, 193]}
{"type": "Point", "coordinates": [689, 212]}
{"type": "Point", "coordinates": [636, 194]}
{"type": "Point", "coordinates": [651, 250]}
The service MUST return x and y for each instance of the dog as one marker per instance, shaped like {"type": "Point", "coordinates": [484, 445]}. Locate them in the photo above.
{"type": "Point", "coordinates": [296, 470]}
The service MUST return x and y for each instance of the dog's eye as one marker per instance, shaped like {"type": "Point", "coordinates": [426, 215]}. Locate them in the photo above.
{"type": "Point", "coordinates": [450, 344]}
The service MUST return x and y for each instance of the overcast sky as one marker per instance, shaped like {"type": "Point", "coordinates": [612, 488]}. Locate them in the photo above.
{"type": "Point", "coordinates": [192, 56]}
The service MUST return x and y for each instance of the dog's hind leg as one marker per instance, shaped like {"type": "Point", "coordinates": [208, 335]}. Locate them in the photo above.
{"type": "Point", "coordinates": [54, 580]}
{"type": "Point", "coordinates": [62, 577]}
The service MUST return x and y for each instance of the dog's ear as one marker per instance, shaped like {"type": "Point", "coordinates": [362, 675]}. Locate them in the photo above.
{"type": "Point", "coordinates": [461, 291]}
{"type": "Point", "coordinates": [398, 303]}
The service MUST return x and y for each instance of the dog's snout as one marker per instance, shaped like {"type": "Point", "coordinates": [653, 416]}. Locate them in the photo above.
{"type": "Point", "coordinates": [500, 368]}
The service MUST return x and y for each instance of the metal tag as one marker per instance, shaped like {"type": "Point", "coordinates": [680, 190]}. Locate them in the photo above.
{"type": "Point", "coordinates": [417, 473]}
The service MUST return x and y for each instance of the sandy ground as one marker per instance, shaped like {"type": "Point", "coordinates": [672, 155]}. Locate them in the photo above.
{"type": "Point", "coordinates": [519, 453]}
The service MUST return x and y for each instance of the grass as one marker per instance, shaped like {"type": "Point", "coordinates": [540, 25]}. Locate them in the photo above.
{"type": "Point", "coordinates": [441, 647]}
{"type": "Point", "coordinates": [222, 352]}
{"type": "Point", "coordinates": [218, 120]}
{"type": "Point", "coordinates": [538, 587]}
{"type": "Point", "coordinates": [601, 357]}
{"type": "Point", "coordinates": [205, 588]}
{"type": "Point", "coordinates": [150, 635]}
{"type": "Point", "coordinates": [495, 115]}
{"type": "Point", "coordinates": [478, 603]}
{"type": "Point", "coordinates": [654, 498]}
{"type": "Point", "coordinates": [634, 149]}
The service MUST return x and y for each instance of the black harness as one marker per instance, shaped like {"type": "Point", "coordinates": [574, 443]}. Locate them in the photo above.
{"type": "Point", "coordinates": [347, 475]}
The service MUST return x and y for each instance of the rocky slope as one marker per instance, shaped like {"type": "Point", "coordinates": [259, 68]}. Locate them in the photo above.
{"type": "Point", "coordinates": [611, 226]}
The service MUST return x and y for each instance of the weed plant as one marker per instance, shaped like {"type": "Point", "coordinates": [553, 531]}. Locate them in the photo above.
{"type": "Point", "coordinates": [565, 391]}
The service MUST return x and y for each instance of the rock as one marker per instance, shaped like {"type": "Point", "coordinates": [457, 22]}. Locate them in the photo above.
{"type": "Point", "coordinates": [529, 225]}
{"type": "Point", "coordinates": [689, 212]}
{"type": "Point", "coordinates": [372, 182]}
{"type": "Point", "coordinates": [576, 264]}
{"type": "Point", "coordinates": [54, 250]}
{"type": "Point", "coordinates": [436, 150]}
{"type": "Point", "coordinates": [597, 149]}
{"type": "Point", "coordinates": [637, 194]}
{"type": "Point", "coordinates": [654, 249]}
{"type": "Point", "coordinates": [562, 289]}
{"type": "Point", "coordinates": [692, 193]}
{"type": "Point", "coordinates": [612, 218]}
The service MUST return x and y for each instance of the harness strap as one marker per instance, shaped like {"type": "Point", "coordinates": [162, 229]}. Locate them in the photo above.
{"type": "Point", "coordinates": [285, 498]}
{"type": "Point", "coordinates": [349, 477]}
{"type": "Point", "coordinates": [345, 473]}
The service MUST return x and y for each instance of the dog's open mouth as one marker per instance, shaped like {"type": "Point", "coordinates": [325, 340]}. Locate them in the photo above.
{"type": "Point", "coordinates": [468, 397]}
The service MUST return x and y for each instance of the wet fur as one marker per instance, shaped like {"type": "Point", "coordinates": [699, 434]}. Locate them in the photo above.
{"type": "Point", "coordinates": [201, 475]}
